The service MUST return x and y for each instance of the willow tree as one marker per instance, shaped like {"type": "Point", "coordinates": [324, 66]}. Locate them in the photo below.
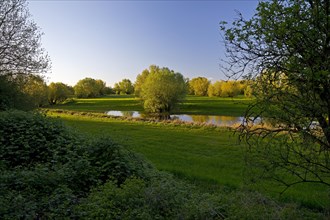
{"type": "Point", "coordinates": [285, 48]}
{"type": "Point", "coordinates": [199, 85]}
{"type": "Point", "coordinates": [162, 90]}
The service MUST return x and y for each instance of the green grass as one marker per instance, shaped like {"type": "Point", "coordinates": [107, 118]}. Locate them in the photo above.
{"type": "Point", "coordinates": [193, 105]}
{"type": "Point", "coordinates": [205, 154]}
{"type": "Point", "coordinates": [200, 105]}
{"type": "Point", "coordinates": [114, 102]}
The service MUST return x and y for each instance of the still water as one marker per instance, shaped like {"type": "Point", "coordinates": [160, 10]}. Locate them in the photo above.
{"type": "Point", "coordinates": [209, 119]}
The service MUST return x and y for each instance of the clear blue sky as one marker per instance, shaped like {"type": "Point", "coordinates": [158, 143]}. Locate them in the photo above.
{"type": "Point", "coordinates": [113, 40]}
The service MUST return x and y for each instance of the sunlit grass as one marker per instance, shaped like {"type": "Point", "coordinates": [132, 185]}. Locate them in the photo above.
{"type": "Point", "coordinates": [207, 155]}
{"type": "Point", "coordinates": [193, 105]}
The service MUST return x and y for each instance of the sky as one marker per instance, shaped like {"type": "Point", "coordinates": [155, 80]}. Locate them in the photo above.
{"type": "Point", "coordinates": [114, 40]}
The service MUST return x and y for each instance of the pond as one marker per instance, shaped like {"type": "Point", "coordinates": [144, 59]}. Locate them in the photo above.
{"type": "Point", "coordinates": [209, 119]}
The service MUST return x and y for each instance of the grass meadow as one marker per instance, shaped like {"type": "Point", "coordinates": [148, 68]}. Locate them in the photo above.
{"type": "Point", "coordinates": [207, 155]}
{"type": "Point", "coordinates": [194, 105]}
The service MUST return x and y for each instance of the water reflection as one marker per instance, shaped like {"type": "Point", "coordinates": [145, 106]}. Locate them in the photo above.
{"type": "Point", "coordinates": [208, 119]}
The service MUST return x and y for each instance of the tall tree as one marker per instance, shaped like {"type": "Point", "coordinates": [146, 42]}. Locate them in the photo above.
{"type": "Point", "coordinates": [20, 47]}
{"type": "Point", "coordinates": [126, 87]}
{"type": "Point", "coordinates": [58, 92]}
{"type": "Point", "coordinates": [101, 86]}
{"type": "Point", "coordinates": [199, 85]}
{"type": "Point", "coordinates": [36, 89]}
{"type": "Point", "coordinates": [285, 46]}
{"type": "Point", "coordinates": [162, 90]}
{"type": "Point", "coordinates": [21, 53]}
{"type": "Point", "coordinates": [88, 88]}
{"type": "Point", "coordinates": [140, 79]}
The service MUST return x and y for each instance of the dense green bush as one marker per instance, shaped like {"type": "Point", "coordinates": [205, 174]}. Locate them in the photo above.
{"type": "Point", "coordinates": [46, 169]}
{"type": "Point", "coordinates": [162, 197]}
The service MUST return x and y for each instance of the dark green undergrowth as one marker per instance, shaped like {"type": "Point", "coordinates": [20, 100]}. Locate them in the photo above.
{"type": "Point", "coordinates": [51, 172]}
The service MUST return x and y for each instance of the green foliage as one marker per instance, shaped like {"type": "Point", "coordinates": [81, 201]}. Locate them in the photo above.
{"type": "Point", "coordinates": [164, 197]}
{"type": "Point", "coordinates": [248, 91]}
{"type": "Point", "coordinates": [89, 88]}
{"type": "Point", "coordinates": [101, 86]}
{"type": "Point", "coordinates": [228, 88]}
{"type": "Point", "coordinates": [46, 169]}
{"type": "Point", "coordinates": [215, 89]}
{"type": "Point", "coordinates": [58, 92]}
{"type": "Point", "coordinates": [199, 86]}
{"type": "Point", "coordinates": [140, 79]}
{"type": "Point", "coordinates": [284, 47]}
{"type": "Point", "coordinates": [124, 87]}
{"type": "Point", "coordinates": [114, 161]}
{"type": "Point", "coordinates": [161, 198]}
{"type": "Point", "coordinates": [29, 139]}
{"type": "Point", "coordinates": [36, 89]}
{"type": "Point", "coordinates": [12, 96]}
{"type": "Point", "coordinates": [162, 90]}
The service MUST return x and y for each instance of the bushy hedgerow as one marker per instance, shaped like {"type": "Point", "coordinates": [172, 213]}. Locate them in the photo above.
{"type": "Point", "coordinates": [46, 169]}
{"type": "Point", "coordinates": [162, 197]}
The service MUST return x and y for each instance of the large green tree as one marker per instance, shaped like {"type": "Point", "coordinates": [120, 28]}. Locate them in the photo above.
{"type": "Point", "coordinates": [89, 88]}
{"type": "Point", "coordinates": [58, 92]}
{"type": "Point", "coordinates": [21, 53]}
{"type": "Point", "coordinates": [36, 89]}
{"type": "Point", "coordinates": [162, 90]}
{"type": "Point", "coordinates": [199, 85]}
{"type": "Point", "coordinates": [126, 87]}
{"type": "Point", "coordinates": [285, 47]}
{"type": "Point", "coordinates": [140, 79]}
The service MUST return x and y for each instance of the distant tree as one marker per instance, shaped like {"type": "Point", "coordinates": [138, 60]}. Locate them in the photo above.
{"type": "Point", "coordinates": [88, 88]}
{"type": "Point", "coordinates": [248, 91]}
{"type": "Point", "coordinates": [199, 85]}
{"type": "Point", "coordinates": [140, 79]}
{"type": "Point", "coordinates": [101, 86]}
{"type": "Point", "coordinates": [162, 90]}
{"type": "Point", "coordinates": [230, 88]}
{"type": "Point", "coordinates": [116, 88]}
{"type": "Point", "coordinates": [58, 92]}
{"type": "Point", "coordinates": [125, 87]}
{"type": "Point", "coordinates": [285, 47]}
{"type": "Point", "coordinates": [108, 90]}
{"type": "Point", "coordinates": [36, 89]}
{"type": "Point", "coordinates": [215, 89]}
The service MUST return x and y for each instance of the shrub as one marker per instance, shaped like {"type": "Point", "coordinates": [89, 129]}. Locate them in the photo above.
{"type": "Point", "coordinates": [114, 161]}
{"type": "Point", "coordinates": [162, 197]}
{"type": "Point", "coordinates": [46, 169]}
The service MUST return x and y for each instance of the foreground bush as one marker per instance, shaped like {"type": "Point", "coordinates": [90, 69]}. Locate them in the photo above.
{"type": "Point", "coordinates": [46, 169]}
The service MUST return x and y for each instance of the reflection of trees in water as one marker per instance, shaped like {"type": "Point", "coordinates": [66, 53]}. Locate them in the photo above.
{"type": "Point", "coordinates": [224, 120]}
{"type": "Point", "coordinates": [156, 116]}
{"type": "Point", "coordinates": [215, 119]}
{"type": "Point", "coordinates": [127, 113]}
{"type": "Point", "coordinates": [200, 118]}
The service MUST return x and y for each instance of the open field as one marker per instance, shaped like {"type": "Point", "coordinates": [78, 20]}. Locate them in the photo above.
{"type": "Point", "coordinates": [207, 155]}
{"type": "Point", "coordinates": [194, 105]}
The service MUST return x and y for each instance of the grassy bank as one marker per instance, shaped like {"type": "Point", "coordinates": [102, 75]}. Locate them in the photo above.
{"type": "Point", "coordinates": [205, 154]}
{"type": "Point", "coordinates": [194, 105]}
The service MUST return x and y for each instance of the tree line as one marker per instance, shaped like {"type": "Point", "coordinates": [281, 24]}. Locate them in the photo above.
{"type": "Point", "coordinates": [31, 90]}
